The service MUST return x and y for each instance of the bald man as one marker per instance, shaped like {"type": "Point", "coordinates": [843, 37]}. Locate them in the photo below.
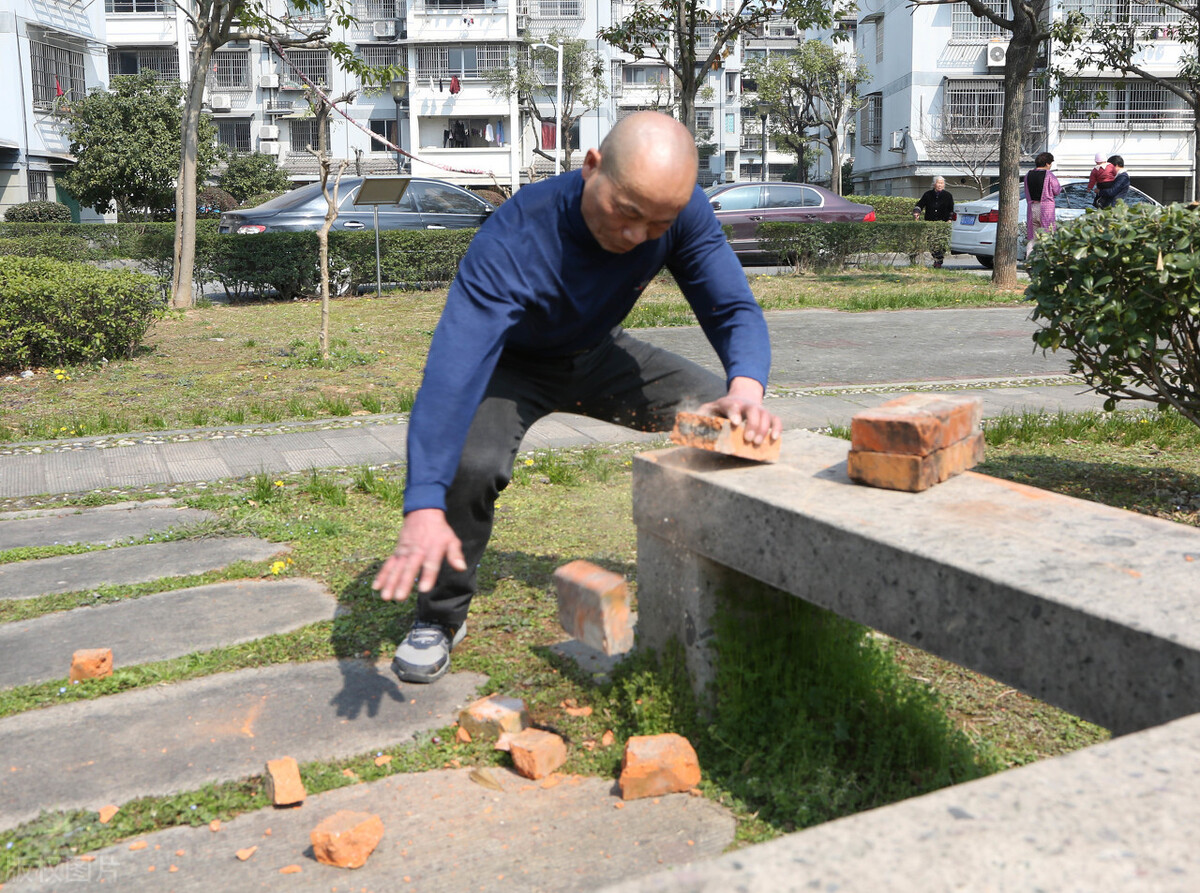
{"type": "Point", "coordinates": [532, 326]}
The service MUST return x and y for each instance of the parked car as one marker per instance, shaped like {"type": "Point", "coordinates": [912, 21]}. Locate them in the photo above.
{"type": "Point", "coordinates": [974, 232]}
{"type": "Point", "coordinates": [744, 206]}
{"type": "Point", "coordinates": [426, 204]}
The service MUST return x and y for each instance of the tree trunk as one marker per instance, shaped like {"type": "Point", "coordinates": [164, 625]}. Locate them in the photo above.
{"type": "Point", "coordinates": [1194, 192]}
{"type": "Point", "coordinates": [835, 164]}
{"type": "Point", "coordinates": [185, 187]}
{"type": "Point", "coordinates": [1018, 65]}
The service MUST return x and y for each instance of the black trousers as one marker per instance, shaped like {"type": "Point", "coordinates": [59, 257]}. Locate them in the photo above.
{"type": "Point", "coordinates": [621, 380]}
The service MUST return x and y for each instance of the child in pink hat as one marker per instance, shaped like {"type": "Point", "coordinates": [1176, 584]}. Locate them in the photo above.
{"type": "Point", "coordinates": [1101, 173]}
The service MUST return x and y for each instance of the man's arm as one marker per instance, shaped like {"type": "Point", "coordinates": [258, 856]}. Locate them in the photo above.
{"type": "Point", "coordinates": [425, 541]}
{"type": "Point", "coordinates": [743, 405]}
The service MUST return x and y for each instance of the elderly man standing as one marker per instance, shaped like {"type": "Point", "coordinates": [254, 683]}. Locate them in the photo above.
{"type": "Point", "coordinates": [532, 326]}
{"type": "Point", "coordinates": [938, 204]}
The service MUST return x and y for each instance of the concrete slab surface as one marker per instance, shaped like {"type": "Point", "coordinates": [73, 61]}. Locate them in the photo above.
{"type": "Point", "coordinates": [130, 564]}
{"type": "Point", "coordinates": [179, 737]}
{"type": "Point", "coordinates": [100, 526]}
{"type": "Point", "coordinates": [158, 627]}
{"type": "Point", "coordinates": [443, 833]}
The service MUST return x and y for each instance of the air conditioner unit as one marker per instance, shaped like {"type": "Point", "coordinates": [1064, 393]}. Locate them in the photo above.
{"type": "Point", "coordinates": [269, 81]}
{"type": "Point", "coordinates": [220, 102]}
{"type": "Point", "coordinates": [997, 52]}
{"type": "Point", "coordinates": [268, 132]}
{"type": "Point", "coordinates": [386, 28]}
{"type": "Point", "coordinates": [898, 137]}
{"type": "Point", "coordinates": [269, 148]}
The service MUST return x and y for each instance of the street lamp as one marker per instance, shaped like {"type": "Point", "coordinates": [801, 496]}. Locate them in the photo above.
{"type": "Point", "coordinates": [558, 136]}
{"type": "Point", "coordinates": [399, 90]}
{"type": "Point", "coordinates": [764, 109]}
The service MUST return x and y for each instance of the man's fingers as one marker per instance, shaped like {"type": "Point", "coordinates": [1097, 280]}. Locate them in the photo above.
{"type": "Point", "coordinates": [454, 556]}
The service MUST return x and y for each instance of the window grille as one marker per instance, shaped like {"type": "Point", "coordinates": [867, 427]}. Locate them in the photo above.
{"type": "Point", "coordinates": [965, 25]}
{"type": "Point", "coordinates": [1133, 104]}
{"type": "Point", "coordinates": [375, 10]}
{"type": "Point", "coordinates": [879, 40]}
{"type": "Point", "coordinates": [554, 9]}
{"type": "Point", "coordinates": [313, 63]}
{"type": "Point", "coordinates": [1145, 13]}
{"type": "Point", "coordinates": [234, 133]}
{"type": "Point", "coordinates": [303, 133]}
{"type": "Point", "coordinates": [872, 120]}
{"type": "Point", "coordinates": [163, 61]}
{"type": "Point", "coordinates": [646, 75]}
{"type": "Point", "coordinates": [156, 7]}
{"type": "Point", "coordinates": [706, 36]}
{"type": "Point", "coordinates": [382, 56]}
{"type": "Point", "coordinates": [230, 71]}
{"type": "Point", "coordinates": [977, 106]}
{"type": "Point", "coordinates": [55, 71]}
{"type": "Point", "coordinates": [463, 61]}
{"type": "Point", "coordinates": [313, 11]}
{"type": "Point", "coordinates": [704, 121]}
{"type": "Point", "coordinates": [39, 189]}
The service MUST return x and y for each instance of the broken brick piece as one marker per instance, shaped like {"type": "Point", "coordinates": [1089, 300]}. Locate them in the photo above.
{"type": "Point", "coordinates": [658, 764]}
{"type": "Point", "coordinates": [462, 736]}
{"type": "Point", "coordinates": [536, 753]}
{"type": "Point", "coordinates": [916, 424]}
{"type": "Point", "coordinates": [91, 663]}
{"type": "Point", "coordinates": [593, 606]}
{"type": "Point", "coordinates": [245, 854]}
{"type": "Point", "coordinates": [898, 471]}
{"type": "Point", "coordinates": [284, 787]}
{"type": "Point", "coordinates": [719, 435]}
{"type": "Point", "coordinates": [490, 717]}
{"type": "Point", "coordinates": [345, 839]}
{"type": "Point", "coordinates": [106, 813]}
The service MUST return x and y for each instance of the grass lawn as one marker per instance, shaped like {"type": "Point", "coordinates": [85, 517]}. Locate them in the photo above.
{"type": "Point", "coordinates": [259, 364]}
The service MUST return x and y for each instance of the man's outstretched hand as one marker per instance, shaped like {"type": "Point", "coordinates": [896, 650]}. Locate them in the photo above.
{"type": "Point", "coordinates": [425, 541]}
{"type": "Point", "coordinates": [743, 406]}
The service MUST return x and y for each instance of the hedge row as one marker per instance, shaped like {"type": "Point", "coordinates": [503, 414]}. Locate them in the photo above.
{"type": "Point", "coordinates": [54, 312]}
{"type": "Point", "coordinates": [94, 241]}
{"type": "Point", "coordinates": [825, 245]}
{"type": "Point", "coordinates": [888, 208]}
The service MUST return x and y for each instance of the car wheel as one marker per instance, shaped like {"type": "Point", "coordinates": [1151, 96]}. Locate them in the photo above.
{"type": "Point", "coordinates": [986, 260]}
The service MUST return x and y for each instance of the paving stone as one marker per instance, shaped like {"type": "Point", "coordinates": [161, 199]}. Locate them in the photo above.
{"type": "Point", "coordinates": [356, 446]}
{"type": "Point", "coordinates": [394, 438]}
{"type": "Point", "coordinates": [158, 627]}
{"type": "Point", "coordinates": [130, 564]}
{"type": "Point", "coordinates": [23, 475]}
{"type": "Point", "coordinates": [251, 455]}
{"type": "Point", "coordinates": [560, 433]}
{"type": "Point", "coordinates": [75, 471]}
{"type": "Point", "coordinates": [442, 834]}
{"type": "Point", "coordinates": [194, 461]}
{"type": "Point", "coordinates": [100, 526]}
{"type": "Point", "coordinates": [179, 737]}
{"type": "Point", "coordinates": [131, 468]}
{"type": "Point", "coordinates": [303, 460]}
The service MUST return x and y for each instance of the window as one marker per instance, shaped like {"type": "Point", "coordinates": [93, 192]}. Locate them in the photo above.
{"type": "Point", "coordinates": [57, 71]}
{"type": "Point", "coordinates": [314, 64]}
{"type": "Point", "coordinates": [304, 134]}
{"type": "Point", "coordinates": [374, 10]}
{"type": "Point", "coordinates": [39, 190]}
{"type": "Point", "coordinates": [879, 40]}
{"type": "Point", "coordinates": [792, 197]}
{"type": "Point", "coordinates": [163, 61]}
{"type": "Point", "coordinates": [158, 7]}
{"type": "Point", "coordinates": [556, 9]}
{"type": "Point", "coordinates": [1135, 104]}
{"type": "Point", "coordinates": [462, 61]}
{"type": "Point", "coordinates": [706, 36]}
{"type": "Point", "coordinates": [967, 26]}
{"type": "Point", "coordinates": [234, 133]}
{"type": "Point", "coordinates": [386, 128]}
{"type": "Point", "coordinates": [704, 121]}
{"type": "Point", "coordinates": [434, 198]}
{"type": "Point", "coordinates": [230, 71]}
{"type": "Point", "coordinates": [871, 127]}
{"type": "Point", "coordinates": [1145, 13]}
{"type": "Point", "coordinates": [972, 106]}
{"type": "Point", "coordinates": [730, 122]}
{"type": "Point", "coordinates": [744, 198]}
{"type": "Point", "coordinates": [312, 11]}
{"type": "Point", "coordinates": [647, 75]}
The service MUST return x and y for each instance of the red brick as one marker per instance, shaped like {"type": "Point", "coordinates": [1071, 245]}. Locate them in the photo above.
{"type": "Point", "coordinates": [536, 753]}
{"type": "Point", "coordinates": [658, 764]}
{"type": "Point", "coordinates": [284, 787]}
{"type": "Point", "coordinates": [490, 717]}
{"type": "Point", "coordinates": [916, 424]}
{"type": "Point", "coordinates": [720, 436]}
{"type": "Point", "coordinates": [593, 606]}
{"type": "Point", "coordinates": [346, 839]}
{"type": "Point", "coordinates": [898, 471]}
{"type": "Point", "coordinates": [91, 663]}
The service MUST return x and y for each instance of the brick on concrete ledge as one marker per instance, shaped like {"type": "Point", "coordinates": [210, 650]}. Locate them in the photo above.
{"type": "Point", "coordinates": [346, 839]}
{"type": "Point", "coordinates": [720, 436]}
{"type": "Point", "coordinates": [658, 764]}
{"type": "Point", "coordinates": [916, 424]}
{"type": "Point", "coordinates": [901, 471]}
{"type": "Point", "coordinates": [537, 753]}
{"type": "Point", "coordinates": [494, 715]}
{"type": "Point", "coordinates": [283, 783]}
{"type": "Point", "coordinates": [593, 606]}
{"type": "Point", "coordinates": [91, 663]}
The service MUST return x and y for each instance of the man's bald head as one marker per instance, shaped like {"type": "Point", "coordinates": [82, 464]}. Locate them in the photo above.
{"type": "Point", "coordinates": [651, 140]}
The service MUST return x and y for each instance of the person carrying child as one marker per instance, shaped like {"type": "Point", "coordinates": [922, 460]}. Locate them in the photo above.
{"type": "Point", "coordinates": [1102, 173]}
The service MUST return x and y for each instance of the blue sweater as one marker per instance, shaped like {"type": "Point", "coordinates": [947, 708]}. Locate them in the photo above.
{"type": "Point", "coordinates": [534, 278]}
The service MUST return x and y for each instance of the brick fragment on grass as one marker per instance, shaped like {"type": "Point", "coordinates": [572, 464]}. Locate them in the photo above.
{"type": "Point", "coordinates": [537, 753]}
{"type": "Point", "coordinates": [900, 471]}
{"type": "Point", "coordinates": [719, 435]}
{"type": "Point", "coordinates": [283, 782]}
{"type": "Point", "coordinates": [916, 424]}
{"type": "Point", "coordinates": [91, 663]}
{"type": "Point", "coordinates": [593, 606]}
{"type": "Point", "coordinates": [658, 764]}
{"type": "Point", "coordinates": [346, 839]}
{"type": "Point", "coordinates": [107, 812]}
{"type": "Point", "coordinates": [490, 717]}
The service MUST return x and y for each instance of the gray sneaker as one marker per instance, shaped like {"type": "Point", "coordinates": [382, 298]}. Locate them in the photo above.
{"type": "Point", "coordinates": [424, 655]}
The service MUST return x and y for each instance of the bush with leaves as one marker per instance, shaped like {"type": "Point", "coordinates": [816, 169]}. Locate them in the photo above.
{"type": "Point", "coordinates": [1120, 289]}
{"type": "Point", "coordinates": [809, 246]}
{"type": "Point", "coordinates": [212, 201]}
{"type": "Point", "coordinates": [54, 312]}
{"type": "Point", "coordinates": [38, 212]}
{"type": "Point", "coordinates": [253, 174]}
{"type": "Point", "coordinates": [260, 199]}
{"type": "Point", "coordinates": [888, 208]}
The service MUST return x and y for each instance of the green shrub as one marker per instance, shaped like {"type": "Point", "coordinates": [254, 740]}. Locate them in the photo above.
{"type": "Point", "coordinates": [53, 312]}
{"type": "Point", "coordinates": [888, 208]}
{"type": "Point", "coordinates": [61, 248]}
{"type": "Point", "coordinates": [410, 258]}
{"type": "Point", "coordinates": [1120, 289]}
{"type": "Point", "coordinates": [38, 212]}
{"type": "Point", "coordinates": [252, 174]}
{"type": "Point", "coordinates": [261, 198]}
{"type": "Point", "coordinates": [830, 245]}
{"type": "Point", "coordinates": [212, 201]}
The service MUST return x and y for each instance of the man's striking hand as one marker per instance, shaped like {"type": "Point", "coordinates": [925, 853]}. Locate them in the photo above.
{"type": "Point", "coordinates": [743, 406]}
{"type": "Point", "coordinates": [425, 541]}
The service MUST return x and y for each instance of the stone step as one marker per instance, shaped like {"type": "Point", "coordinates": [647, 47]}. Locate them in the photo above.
{"type": "Point", "coordinates": [179, 737]}
{"type": "Point", "coordinates": [132, 564]}
{"type": "Point", "coordinates": [102, 526]}
{"type": "Point", "coordinates": [442, 832]}
{"type": "Point", "coordinates": [158, 627]}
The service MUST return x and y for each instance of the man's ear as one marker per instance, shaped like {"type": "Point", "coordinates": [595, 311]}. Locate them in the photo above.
{"type": "Point", "coordinates": [591, 163]}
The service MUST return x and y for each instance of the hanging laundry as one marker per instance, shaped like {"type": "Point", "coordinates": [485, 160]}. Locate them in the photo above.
{"type": "Point", "coordinates": [488, 134]}
{"type": "Point", "coordinates": [548, 141]}
{"type": "Point", "coordinates": [441, 86]}
{"type": "Point", "coordinates": [500, 133]}
{"type": "Point", "coordinates": [455, 86]}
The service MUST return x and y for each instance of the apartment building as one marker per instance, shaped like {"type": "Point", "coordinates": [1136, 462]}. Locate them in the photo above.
{"type": "Point", "coordinates": [934, 103]}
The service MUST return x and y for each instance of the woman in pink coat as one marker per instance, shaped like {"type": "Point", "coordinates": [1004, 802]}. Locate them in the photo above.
{"type": "Point", "coordinates": [1041, 188]}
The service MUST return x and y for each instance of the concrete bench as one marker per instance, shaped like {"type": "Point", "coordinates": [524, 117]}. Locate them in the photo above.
{"type": "Point", "coordinates": [1093, 609]}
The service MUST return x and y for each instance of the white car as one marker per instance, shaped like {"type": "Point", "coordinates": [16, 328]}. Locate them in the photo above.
{"type": "Point", "coordinates": [974, 232]}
